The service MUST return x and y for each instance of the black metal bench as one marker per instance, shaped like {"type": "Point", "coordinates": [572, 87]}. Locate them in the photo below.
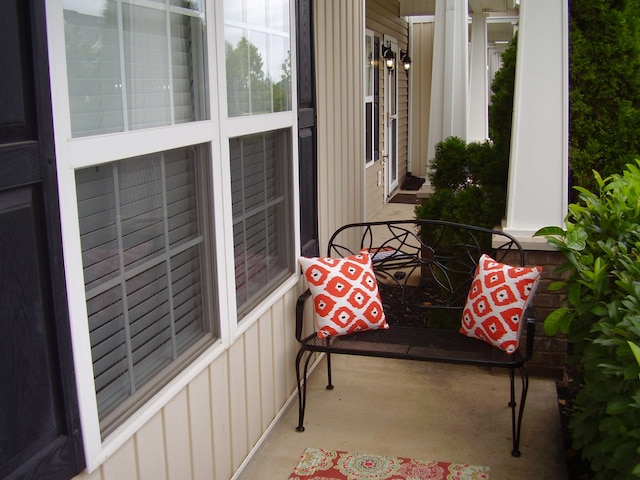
{"type": "Point", "coordinates": [424, 270]}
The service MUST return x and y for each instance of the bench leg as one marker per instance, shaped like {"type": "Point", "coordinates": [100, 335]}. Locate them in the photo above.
{"type": "Point", "coordinates": [329, 381]}
{"type": "Point", "coordinates": [516, 422]}
{"type": "Point", "coordinates": [302, 387]}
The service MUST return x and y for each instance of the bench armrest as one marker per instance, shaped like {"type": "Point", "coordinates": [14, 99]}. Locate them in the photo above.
{"type": "Point", "coordinates": [300, 313]}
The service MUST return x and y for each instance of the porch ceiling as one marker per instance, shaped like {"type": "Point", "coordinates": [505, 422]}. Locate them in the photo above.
{"type": "Point", "coordinates": [428, 7]}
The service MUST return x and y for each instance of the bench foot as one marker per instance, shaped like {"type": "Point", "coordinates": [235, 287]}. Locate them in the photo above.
{"type": "Point", "coordinates": [302, 386]}
{"type": "Point", "coordinates": [516, 420]}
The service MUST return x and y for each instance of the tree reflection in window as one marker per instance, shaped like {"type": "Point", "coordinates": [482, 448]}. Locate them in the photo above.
{"type": "Point", "coordinates": [250, 90]}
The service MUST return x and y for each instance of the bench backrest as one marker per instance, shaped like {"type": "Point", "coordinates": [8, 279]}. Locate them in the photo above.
{"type": "Point", "coordinates": [424, 267]}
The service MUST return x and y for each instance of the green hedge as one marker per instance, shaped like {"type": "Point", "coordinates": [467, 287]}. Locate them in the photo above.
{"type": "Point", "coordinates": [601, 245]}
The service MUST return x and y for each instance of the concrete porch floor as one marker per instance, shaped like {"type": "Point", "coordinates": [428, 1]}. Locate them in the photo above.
{"type": "Point", "coordinates": [427, 411]}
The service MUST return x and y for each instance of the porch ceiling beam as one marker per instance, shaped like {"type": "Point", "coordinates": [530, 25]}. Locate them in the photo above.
{"type": "Point", "coordinates": [428, 7]}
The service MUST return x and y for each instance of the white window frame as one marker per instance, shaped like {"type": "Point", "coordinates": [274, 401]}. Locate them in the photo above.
{"type": "Point", "coordinates": [72, 154]}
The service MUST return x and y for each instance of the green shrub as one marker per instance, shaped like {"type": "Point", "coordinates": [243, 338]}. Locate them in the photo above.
{"type": "Point", "coordinates": [601, 246]}
{"type": "Point", "coordinates": [470, 186]}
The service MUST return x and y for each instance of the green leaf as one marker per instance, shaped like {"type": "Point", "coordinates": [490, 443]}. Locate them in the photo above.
{"type": "Point", "coordinates": [544, 231]}
{"type": "Point", "coordinates": [555, 320]}
{"type": "Point", "coordinates": [636, 351]}
{"type": "Point", "coordinates": [554, 286]}
{"type": "Point", "coordinates": [617, 406]}
{"type": "Point", "coordinates": [577, 239]}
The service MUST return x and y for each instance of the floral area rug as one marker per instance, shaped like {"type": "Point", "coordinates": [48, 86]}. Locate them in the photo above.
{"type": "Point", "coordinates": [319, 464]}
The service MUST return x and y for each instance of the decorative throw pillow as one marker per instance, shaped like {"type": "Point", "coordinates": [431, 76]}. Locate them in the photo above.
{"type": "Point", "coordinates": [497, 299]}
{"type": "Point", "coordinates": [345, 294]}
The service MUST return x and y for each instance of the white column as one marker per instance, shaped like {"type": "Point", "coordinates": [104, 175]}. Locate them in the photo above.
{"type": "Point", "coordinates": [478, 125]}
{"type": "Point", "coordinates": [450, 82]}
{"type": "Point", "coordinates": [538, 172]}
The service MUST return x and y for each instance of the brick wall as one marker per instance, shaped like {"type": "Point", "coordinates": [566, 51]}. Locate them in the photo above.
{"type": "Point", "coordinates": [550, 353]}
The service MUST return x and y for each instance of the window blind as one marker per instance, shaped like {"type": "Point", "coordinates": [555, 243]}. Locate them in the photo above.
{"type": "Point", "coordinates": [133, 67]}
{"type": "Point", "coordinates": [143, 254]}
{"type": "Point", "coordinates": [261, 206]}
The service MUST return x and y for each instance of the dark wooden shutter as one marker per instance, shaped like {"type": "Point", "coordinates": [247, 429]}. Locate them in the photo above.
{"type": "Point", "coordinates": [307, 151]}
{"type": "Point", "coordinates": [39, 422]}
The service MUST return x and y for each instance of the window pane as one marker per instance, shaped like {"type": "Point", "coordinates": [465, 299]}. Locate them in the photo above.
{"type": "Point", "coordinates": [143, 249]}
{"type": "Point", "coordinates": [257, 45]}
{"type": "Point", "coordinates": [131, 67]}
{"type": "Point", "coordinates": [262, 211]}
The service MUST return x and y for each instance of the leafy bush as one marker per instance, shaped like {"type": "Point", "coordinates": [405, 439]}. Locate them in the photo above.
{"type": "Point", "coordinates": [601, 246]}
{"type": "Point", "coordinates": [470, 185]}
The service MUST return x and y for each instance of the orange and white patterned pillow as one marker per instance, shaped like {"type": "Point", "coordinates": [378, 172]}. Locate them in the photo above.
{"type": "Point", "coordinates": [345, 294]}
{"type": "Point", "coordinates": [497, 299]}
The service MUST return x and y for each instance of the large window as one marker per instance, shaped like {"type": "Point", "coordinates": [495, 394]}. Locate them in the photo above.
{"type": "Point", "coordinates": [178, 220]}
{"type": "Point", "coordinates": [261, 214]}
{"type": "Point", "coordinates": [132, 66]}
{"type": "Point", "coordinates": [143, 251]}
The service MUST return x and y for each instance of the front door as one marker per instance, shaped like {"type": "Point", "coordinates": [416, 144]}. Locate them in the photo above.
{"type": "Point", "coordinates": [391, 123]}
{"type": "Point", "coordinates": [39, 423]}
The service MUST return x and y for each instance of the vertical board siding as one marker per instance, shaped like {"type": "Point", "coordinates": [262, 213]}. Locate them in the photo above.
{"type": "Point", "coordinates": [151, 461]}
{"type": "Point", "coordinates": [422, 56]}
{"type": "Point", "coordinates": [267, 395]}
{"type": "Point", "coordinates": [175, 417]}
{"type": "Point", "coordinates": [339, 40]}
{"type": "Point", "coordinates": [238, 404]}
{"type": "Point", "coordinates": [253, 395]}
{"type": "Point", "coordinates": [200, 426]}
{"type": "Point", "coordinates": [221, 417]}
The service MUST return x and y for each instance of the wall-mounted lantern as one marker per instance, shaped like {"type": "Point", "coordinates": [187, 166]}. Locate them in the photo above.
{"type": "Point", "coordinates": [389, 56]}
{"type": "Point", "coordinates": [405, 59]}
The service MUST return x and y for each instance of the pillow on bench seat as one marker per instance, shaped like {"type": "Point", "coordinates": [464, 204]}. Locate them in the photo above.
{"type": "Point", "coordinates": [345, 294]}
{"type": "Point", "coordinates": [497, 299]}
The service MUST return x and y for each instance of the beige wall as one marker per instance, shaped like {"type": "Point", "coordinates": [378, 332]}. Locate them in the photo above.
{"type": "Point", "coordinates": [422, 56]}
{"type": "Point", "coordinates": [383, 17]}
{"type": "Point", "coordinates": [340, 113]}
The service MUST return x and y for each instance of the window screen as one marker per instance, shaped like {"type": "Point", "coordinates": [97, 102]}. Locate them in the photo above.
{"type": "Point", "coordinates": [262, 212]}
{"type": "Point", "coordinates": [134, 65]}
{"type": "Point", "coordinates": [143, 252]}
{"type": "Point", "coordinates": [258, 56]}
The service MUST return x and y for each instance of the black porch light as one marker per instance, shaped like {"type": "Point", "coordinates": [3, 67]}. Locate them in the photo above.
{"type": "Point", "coordinates": [406, 60]}
{"type": "Point", "coordinates": [389, 57]}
